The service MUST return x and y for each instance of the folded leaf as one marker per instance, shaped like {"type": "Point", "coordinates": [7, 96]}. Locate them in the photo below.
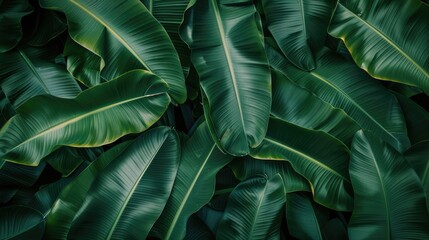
{"type": "Point", "coordinates": [389, 198]}
{"type": "Point", "coordinates": [228, 53]}
{"type": "Point", "coordinates": [194, 185]}
{"type": "Point", "coordinates": [126, 36]}
{"type": "Point", "coordinates": [254, 210]}
{"type": "Point", "coordinates": [299, 27]}
{"type": "Point", "coordinates": [97, 116]}
{"type": "Point", "coordinates": [19, 222]}
{"type": "Point", "coordinates": [320, 158]}
{"type": "Point", "coordinates": [386, 38]}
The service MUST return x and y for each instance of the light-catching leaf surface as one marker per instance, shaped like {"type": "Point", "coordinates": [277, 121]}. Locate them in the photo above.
{"type": "Point", "coordinates": [389, 198]}
{"type": "Point", "coordinates": [254, 210]}
{"type": "Point", "coordinates": [389, 39]}
{"type": "Point", "coordinates": [299, 27]}
{"type": "Point", "coordinates": [317, 156]}
{"type": "Point", "coordinates": [134, 188]}
{"type": "Point", "coordinates": [343, 85]}
{"type": "Point", "coordinates": [126, 36]}
{"type": "Point", "coordinates": [194, 185]}
{"type": "Point", "coordinates": [97, 116]}
{"type": "Point", "coordinates": [228, 53]}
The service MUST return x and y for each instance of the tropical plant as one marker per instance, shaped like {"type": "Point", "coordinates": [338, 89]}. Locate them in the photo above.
{"type": "Point", "coordinates": [203, 119]}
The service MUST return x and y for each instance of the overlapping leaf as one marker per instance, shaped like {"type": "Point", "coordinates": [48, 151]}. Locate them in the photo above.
{"type": "Point", "coordinates": [194, 185]}
{"type": "Point", "coordinates": [99, 115]}
{"type": "Point", "coordinates": [126, 36]}
{"type": "Point", "coordinates": [254, 210]}
{"type": "Point", "coordinates": [299, 27]}
{"type": "Point", "coordinates": [389, 39]}
{"type": "Point", "coordinates": [389, 198]}
{"type": "Point", "coordinates": [19, 222]}
{"type": "Point", "coordinates": [320, 158]}
{"type": "Point", "coordinates": [228, 54]}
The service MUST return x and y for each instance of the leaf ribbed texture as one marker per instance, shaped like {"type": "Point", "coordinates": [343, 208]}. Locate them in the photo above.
{"type": "Point", "coordinates": [97, 116]}
{"type": "Point", "coordinates": [320, 158]}
{"type": "Point", "coordinates": [126, 36]}
{"type": "Point", "coordinates": [389, 198]}
{"type": "Point", "coordinates": [387, 38]}
{"type": "Point", "coordinates": [254, 210]}
{"type": "Point", "coordinates": [228, 54]}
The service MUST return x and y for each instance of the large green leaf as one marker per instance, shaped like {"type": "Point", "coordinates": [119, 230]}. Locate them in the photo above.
{"type": "Point", "coordinates": [299, 106]}
{"type": "Point", "coordinates": [299, 27]}
{"type": "Point", "coordinates": [30, 72]}
{"type": "Point", "coordinates": [170, 14]}
{"type": "Point", "coordinates": [417, 119]}
{"type": "Point", "coordinates": [194, 185]}
{"type": "Point", "coordinates": [126, 36]}
{"type": "Point", "coordinates": [254, 210]}
{"type": "Point", "coordinates": [11, 13]}
{"type": "Point", "coordinates": [228, 54]}
{"type": "Point", "coordinates": [389, 39]}
{"type": "Point", "coordinates": [317, 156]}
{"type": "Point", "coordinates": [389, 198]}
{"type": "Point", "coordinates": [21, 223]}
{"type": "Point", "coordinates": [418, 157]}
{"type": "Point", "coordinates": [72, 197]}
{"type": "Point", "coordinates": [97, 116]}
{"type": "Point", "coordinates": [247, 167]}
{"type": "Point", "coordinates": [343, 85]}
{"type": "Point", "coordinates": [17, 175]}
{"type": "Point", "coordinates": [66, 159]}
{"type": "Point", "coordinates": [134, 188]}
{"type": "Point", "coordinates": [305, 219]}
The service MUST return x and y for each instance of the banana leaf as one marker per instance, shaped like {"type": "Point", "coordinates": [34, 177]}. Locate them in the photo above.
{"type": "Point", "coordinates": [417, 119]}
{"type": "Point", "coordinates": [72, 196]}
{"type": "Point", "coordinates": [194, 185]}
{"type": "Point", "coordinates": [19, 222]}
{"type": "Point", "coordinates": [254, 210]}
{"type": "Point", "coordinates": [11, 14]}
{"type": "Point", "coordinates": [418, 157]}
{"type": "Point", "coordinates": [299, 27]}
{"type": "Point", "coordinates": [29, 72]}
{"type": "Point", "coordinates": [125, 36]}
{"type": "Point", "coordinates": [95, 117]}
{"type": "Point", "coordinates": [17, 175]}
{"type": "Point", "coordinates": [299, 106]}
{"type": "Point", "coordinates": [320, 158]}
{"type": "Point", "coordinates": [135, 201]}
{"type": "Point", "coordinates": [388, 39]}
{"type": "Point", "coordinates": [248, 167]}
{"type": "Point", "coordinates": [228, 53]}
{"type": "Point", "coordinates": [305, 218]}
{"type": "Point", "coordinates": [343, 85]}
{"type": "Point", "coordinates": [389, 198]}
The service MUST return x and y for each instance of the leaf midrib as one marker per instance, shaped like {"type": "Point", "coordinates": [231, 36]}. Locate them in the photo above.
{"type": "Point", "coordinates": [311, 159]}
{"type": "Point", "coordinates": [229, 61]}
{"type": "Point", "coordinates": [130, 193]}
{"type": "Point", "coordinates": [75, 119]}
{"type": "Point", "coordinates": [32, 68]}
{"type": "Point", "coordinates": [354, 104]}
{"type": "Point", "coordinates": [258, 208]}
{"type": "Point", "coordinates": [188, 193]}
{"type": "Point", "coordinates": [114, 33]}
{"type": "Point", "coordinates": [388, 40]}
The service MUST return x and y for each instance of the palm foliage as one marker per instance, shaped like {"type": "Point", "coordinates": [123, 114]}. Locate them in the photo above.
{"type": "Point", "coordinates": [203, 119]}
